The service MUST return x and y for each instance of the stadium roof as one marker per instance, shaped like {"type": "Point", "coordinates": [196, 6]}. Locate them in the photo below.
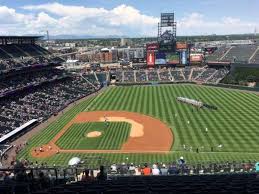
{"type": "Point", "coordinates": [24, 37]}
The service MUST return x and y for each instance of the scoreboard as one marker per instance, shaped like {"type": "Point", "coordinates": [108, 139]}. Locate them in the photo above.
{"type": "Point", "coordinates": [167, 19]}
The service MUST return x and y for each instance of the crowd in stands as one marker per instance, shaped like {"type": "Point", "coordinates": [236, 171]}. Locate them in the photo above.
{"type": "Point", "coordinates": [141, 76]}
{"type": "Point", "coordinates": [39, 91]}
{"type": "Point", "coordinates": [23, 62]}
{"type": "Point", "coordinates": [194, 74]}
{"type": "Point", "coordinates": [218, 76]}
{"type": "Point", "coordinates": [21, 81]}
{"type": "Point", "coordinates": [129, 76]}
{"type": "Point", "coordinates": [42, 102]}
{"type": "Point", "coordinates": [177, 75]}
{"type": "Point", "coordinates": [153, 75]}
{"type": "Point", "coordinates": [164, 75]}
{"type": "Point", "coordinates": [229, 177]}
{"type": "Point", "coordinates": [206, 74]}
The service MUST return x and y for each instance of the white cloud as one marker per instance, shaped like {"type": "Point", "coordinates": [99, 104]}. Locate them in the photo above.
{"type": "Point", "coordinates": [196, 23]}
{"type": "Point", "coordinates": [121, 20]}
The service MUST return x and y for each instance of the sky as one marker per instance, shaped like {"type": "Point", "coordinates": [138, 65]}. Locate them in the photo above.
{"type": "Point", "coordinates": [132, 18]}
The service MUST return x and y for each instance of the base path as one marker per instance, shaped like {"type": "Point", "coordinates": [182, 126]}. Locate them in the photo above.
{"type": "Point", "coordinates": [148, 134]}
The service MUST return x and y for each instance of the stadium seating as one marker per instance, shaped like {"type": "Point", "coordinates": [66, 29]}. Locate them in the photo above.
{"type": "Point", "coordinates": [21, 50]}
{"type": "Point", "coordinates": [240, 53]}
{"type": "Point", "coordinates": [42, 102]}
{"type": "Point", "coordinates": [213, 178]}
{"type": "Point", "coordinates": [196, 72]}
{"type": "Point", "coordinates": [141, 76]}
{"type": "Point", "coordinates": [255, 58]}
{"type": "Point", "coordinates": [220, 74]}
{"type": "Point", "coordinates": [165, 75]}
{"type": "Point", "coordinates": [177, 75]}
{"type": "Point", "coordinates": [102, 77]}
{"type": "Point", "coordinates": [153, 75]}
{"type": "Point", "coordinates": [217, 54]}
{"type": "Point", "coordinates": [186, 73]}
{"type": "Point", "coordinates": [205, 75]}
{"type": "Point", "coordinates": [169, 75]}
{"type": "Point", "coordinates": [19, 63]}
{"type": "Point", "coordinates": [129, 76]}
{"type": "Point", "coordinates": [20, 81]}
{"type": "Point", "coordinates": [118, 74]}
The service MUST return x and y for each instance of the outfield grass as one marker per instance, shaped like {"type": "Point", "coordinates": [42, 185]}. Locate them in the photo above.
{"type": "Point", "coordinates": [112, 138]}
{"type": "Point", "coordinates": [235, 124]}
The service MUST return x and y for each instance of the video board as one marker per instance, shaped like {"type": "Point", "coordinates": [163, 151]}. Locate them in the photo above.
{"type": "Point", "coordinates": [160, 58]}
{"type": "Point", "coordinates": [173, 58]}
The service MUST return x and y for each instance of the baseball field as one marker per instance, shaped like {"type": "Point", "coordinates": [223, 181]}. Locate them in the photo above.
{"type": "Point", "coordinates": [147, 124]}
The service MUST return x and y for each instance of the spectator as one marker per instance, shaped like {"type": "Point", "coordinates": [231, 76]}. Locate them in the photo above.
{"type": "Point", "coordinates": [86, 177]}
{"type": "Point", "coordinates": [181, 161]}
{"type": "Point", "coordinates": [113, 169]}
{"type": "Point", "coordinates": [155, 170]}
{"type": "Point", "coordinates": [137, 170]}
{"type": "Point", "coordinates": [43, 181]}
{"type": "Point", "coordinates": [173, 170]}
{"type": "Point", "coordinates": [101, 176]}
{"type": "Point", "coordinates": [123, 169]}
{"type": "Point", "coordinates": [132, 169]}
{"type": "Point", "coordinates": [164, 170]}
{"type": "Point", "coordinates": [146, 170]}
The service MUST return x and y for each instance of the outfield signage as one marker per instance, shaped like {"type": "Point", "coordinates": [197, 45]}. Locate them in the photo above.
{"type": "Point", "coordinates": [150, 58]}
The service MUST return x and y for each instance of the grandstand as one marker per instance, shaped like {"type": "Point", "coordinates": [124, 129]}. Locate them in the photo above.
{"type": "Point", "coordinates": [165, 75]}
{"type": "Point", "coordinates": [205, 75]}
{"type": "Point", "coordinates": [217, 54]}
{"type": "Point", "coordinates": [201, 75]}
{"type": "Point", "coordinates": [255, 57]}
{"type": "Point", "coordinates": [240, 53]}
{"type": "Point", "coordinates": [247, 53]}
{"type": "Point", "coordinates": [177, 75]}
{"type": "Point", "coordinates": [141, 76]}
{"type": "Point", "coordinates": [153, 75]}
{"type": "Point", "coordinates": [129, 76]}
{"type": "Point", "coordinates": [32, 88]}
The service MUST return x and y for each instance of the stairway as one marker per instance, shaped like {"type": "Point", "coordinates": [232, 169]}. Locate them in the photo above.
{"type": "Point", "coordinates": [221, 58]}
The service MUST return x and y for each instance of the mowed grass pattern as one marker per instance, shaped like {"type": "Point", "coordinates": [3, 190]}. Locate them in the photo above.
{"type": "Point", "coordinates": [235, 124]}
{"type": "Point", "coordinates": [112, 138]}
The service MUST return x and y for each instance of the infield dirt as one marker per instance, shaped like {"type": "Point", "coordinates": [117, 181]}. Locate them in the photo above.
{"type": "Point", "coordinates": [148, 134]}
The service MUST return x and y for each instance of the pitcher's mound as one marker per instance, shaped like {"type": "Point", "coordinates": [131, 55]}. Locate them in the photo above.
{"type": "Point", "coordinates": [94, 134]}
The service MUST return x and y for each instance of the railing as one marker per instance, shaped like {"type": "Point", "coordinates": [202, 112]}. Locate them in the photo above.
{"type": "Point", "coordinates": [75, 173]}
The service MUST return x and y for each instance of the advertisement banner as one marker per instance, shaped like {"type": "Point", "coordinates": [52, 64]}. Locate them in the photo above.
{"type": "Point", "coordinates": [152, 46]}
{"type": "Point", "coordinates": [151, 58]}
{"type": "Point", "coordinates": [181, 45]}
{"type": "Point", "coordinates": [196, 58]}
{"type": "Point", "coordinates": [173, 58]}
{"type": "Point", "coordinates": [160, 58]}
{"type": "Point", "coordinates": [184, 57]}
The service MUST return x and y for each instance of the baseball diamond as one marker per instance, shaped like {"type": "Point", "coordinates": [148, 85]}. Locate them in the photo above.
{"type": "Point", "coordinates": [168, 128]}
